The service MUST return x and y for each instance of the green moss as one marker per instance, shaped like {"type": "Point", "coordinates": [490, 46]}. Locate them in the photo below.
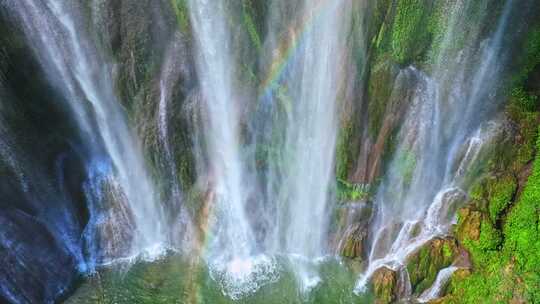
{"type": "Point", "coordinates": [530, 57]}
{"type": "Point", "coordinates": [500, 192]}
{"type": "Point", "coordinates": [381, 84]}
{"type": "Point", "coordinates": [410, 34]}
{"type": "Point", "coordinates": [424, 265]}
{"type": "Point", "coordinates": [344, 155]}
{"type": "Point", "coordinates": [522, 230]}
{"type": "Point", "coordinates": [182, 15]}
{"type": "Point", "coordinates": [526, 121]}
{"type": "Point", "coordinates": [384, 285]}
{"type": "Point", "coordinates": [506, 261]}
{"type": "Point", "coordinates": [524, 100]}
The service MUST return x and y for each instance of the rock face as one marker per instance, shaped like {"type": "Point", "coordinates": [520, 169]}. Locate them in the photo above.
{"type": "Point", "coordinates": [424, 264]}
{"type": "Point", "coordinates": [384, 285]}
{"type": "Point", "coordinates": [353, 229]}
{"type": "Point", "coordinates": [34, 267]}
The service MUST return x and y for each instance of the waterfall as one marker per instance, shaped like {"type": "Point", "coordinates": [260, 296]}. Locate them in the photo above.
{"type": "Point", "coordinates": [69, 58]}
{"type": "Point", "coordinates": [310, 85]}
{"type": "Point", "coordinates": [260, 142]}
{"type": "Point", "coordinates": [232, 251]}
{"type": "Point", "coordinates": [441, 140]}
{"type": "Point", "coordinates": [180, 225]}
{"type": "Point", "coordinates": [309, 71]}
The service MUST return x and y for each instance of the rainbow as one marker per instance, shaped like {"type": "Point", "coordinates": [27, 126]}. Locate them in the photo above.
{"type": "Point", "coordinates": [289, 47]}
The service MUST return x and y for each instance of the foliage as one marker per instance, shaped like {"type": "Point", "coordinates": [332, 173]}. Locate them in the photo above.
{"type": "Point", "coordinates": [351, 192]}
{"type": "Point", "coordinates": [499, 192]}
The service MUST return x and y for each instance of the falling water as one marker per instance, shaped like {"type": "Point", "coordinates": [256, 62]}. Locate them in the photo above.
{"type": "Point", "coordinates": [435, 291]}
{"type": "Point", "coordinates": [70, 59]}
{"type": "Point", "coordinates": [232, 250]}
{"type": "Point", "coordinates": [180, 223]}
{"type": "Point", "coordinates": [312, 82]}
{"type": "Point", "coordinates": [441, 140]}
{"type": "Point", "coordinates": [309, 71]}
{"type": "Point", "coordinates": [267, 214]}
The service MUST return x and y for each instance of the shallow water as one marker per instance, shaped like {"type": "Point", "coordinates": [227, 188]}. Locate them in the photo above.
{"type": "Point", "coordinates": [175, 279]}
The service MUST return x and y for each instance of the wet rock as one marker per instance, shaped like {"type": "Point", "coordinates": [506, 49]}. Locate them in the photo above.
{"type": "Point", "coordinates": [424, 264]}
{"type": "Point", "coordinates": [352, 245]}
{"type": "Point", "coordinates": [384, 239]}
{"type": "Point", "coordinates": [34, 267]}
{"type": "Point", "coordinates": [384, 285]}
{"type": "Point", "coordinates": [111, 226]}
{"type": "Point", "coordinates": [353, 229]}
{"type": "Point", "coordinates": [390, 93]}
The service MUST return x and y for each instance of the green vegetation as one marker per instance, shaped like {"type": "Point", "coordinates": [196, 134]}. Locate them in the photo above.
{"type": "Point", "coordinates": [351, 192]}
{"type": "Point", "coordinates": [182, 15]}
{"type": "Point", "coordinates": [344, 155]}
{"type": "Point", "coordinates": [530, 57]}
{"type": "Point", "coordinates": [524, 100]}
{"type": "Point", "coordinates": [506, 262]}
{"type": "Point", "coordinates": [380, 88]}
{"type": "Point", "coordinates": [501, 227]}
{"type": "Point", "coordinates": [410, 36]}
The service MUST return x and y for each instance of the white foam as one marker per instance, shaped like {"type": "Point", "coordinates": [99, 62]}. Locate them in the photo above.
{"type": "Point", "coordinates": [243, 276]}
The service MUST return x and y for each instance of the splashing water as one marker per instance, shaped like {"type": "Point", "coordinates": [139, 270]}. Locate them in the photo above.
{"type": "Point", "coordinates": [231, 249]}
{"type": "Point", "coordinates": [309, 70]}
{"type": "Point", "coordinates": [305, 79]}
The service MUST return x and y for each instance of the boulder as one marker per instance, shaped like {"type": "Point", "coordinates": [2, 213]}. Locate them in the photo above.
{"type": "Point", "coordinates": [470, 223]}
{"type": "Point", "coordinates": [384, 285]}
{"type": "Point", "coordinates": [352, 244]}
{"type": "Point", "coordinates": [424, 264]}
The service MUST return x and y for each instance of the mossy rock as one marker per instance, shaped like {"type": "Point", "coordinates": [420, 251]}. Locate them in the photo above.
{"type": "Point", "coordinates": [469, 224]}
{"type": "Point", "coordinates": [353, 244]}
{"type": "Point", "coordinates": [424, 264]}
{"type": "Point", "coordinates": [381, 84]}
{"type": "Point", "coordinates": [384, 285]}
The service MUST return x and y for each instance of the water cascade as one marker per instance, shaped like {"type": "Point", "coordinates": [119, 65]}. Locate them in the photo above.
{"type": "Point", "coordinates": [310, 151]}
{"type": "Point", "coordinates": [307, 80]}
{"type": "Point", "coordinates": [232, 249]}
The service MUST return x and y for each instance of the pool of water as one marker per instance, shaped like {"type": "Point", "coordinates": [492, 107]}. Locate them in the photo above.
{"type": "Point", "coordinates": [176, 279]}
